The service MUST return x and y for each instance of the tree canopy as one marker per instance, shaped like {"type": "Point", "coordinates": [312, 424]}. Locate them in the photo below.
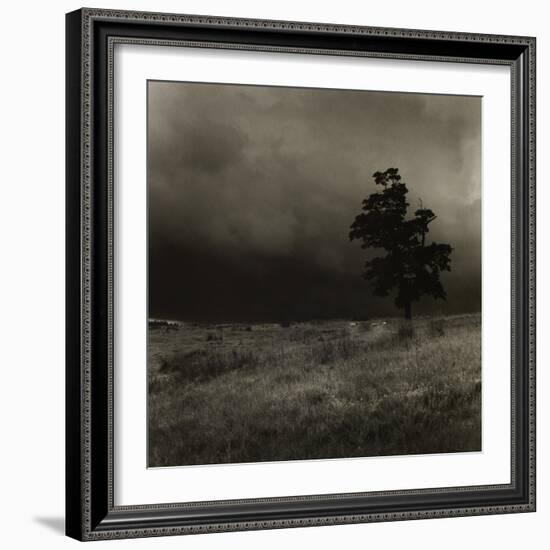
{"type": "Point", "coordinates": [411, 266]}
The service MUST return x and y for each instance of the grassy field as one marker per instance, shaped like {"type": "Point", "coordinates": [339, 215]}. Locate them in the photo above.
{"type": "Point", "coordinates": [249, 393]}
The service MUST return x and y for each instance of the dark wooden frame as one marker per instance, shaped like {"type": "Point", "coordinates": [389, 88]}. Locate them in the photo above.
{"type": "Point", "coordinates": [90, 510]}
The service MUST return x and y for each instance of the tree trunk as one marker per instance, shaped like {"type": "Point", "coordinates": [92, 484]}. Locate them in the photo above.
{"type": "Point", "coordinates": [408, 311]}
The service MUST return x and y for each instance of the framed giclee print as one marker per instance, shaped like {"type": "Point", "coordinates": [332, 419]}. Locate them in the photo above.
{"type": "Point", "coordinates": [301, 274]}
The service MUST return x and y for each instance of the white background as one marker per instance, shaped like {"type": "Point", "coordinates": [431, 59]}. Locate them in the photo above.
{"type": "Point", "coordinates": [32, 274]}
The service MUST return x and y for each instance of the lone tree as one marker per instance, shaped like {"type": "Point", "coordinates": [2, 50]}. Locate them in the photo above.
{"type": "Point", "coordinates": [411, 266]}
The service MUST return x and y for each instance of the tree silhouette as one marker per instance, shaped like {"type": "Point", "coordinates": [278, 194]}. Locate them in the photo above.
{"type": "Point", "coordinates": [411, 266]}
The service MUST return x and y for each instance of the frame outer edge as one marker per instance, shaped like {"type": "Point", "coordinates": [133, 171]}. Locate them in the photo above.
{"type": "Point", "coordinates": [78, 415]}
{"type": "Point", "coordinates": [74, 500]}
{"type": "Point", "coordinates": [87, 216]}
{"type": "Point", "coordinates": [286, 25]}
{"type": "Point", "coordinates": [532, 251]}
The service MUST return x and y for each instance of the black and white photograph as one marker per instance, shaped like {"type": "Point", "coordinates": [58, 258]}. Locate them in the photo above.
{"type": "Point", "coordinates": [314, 273]}
{"type": "Point", "coordinates": [270, 275]}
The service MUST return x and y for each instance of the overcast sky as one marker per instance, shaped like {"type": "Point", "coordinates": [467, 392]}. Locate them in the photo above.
{"type": "Point", "coordinates": [252, 190]}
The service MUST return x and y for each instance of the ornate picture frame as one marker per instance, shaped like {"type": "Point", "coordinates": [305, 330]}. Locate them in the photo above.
{"type": "Point", "coordinates": [91, 509]}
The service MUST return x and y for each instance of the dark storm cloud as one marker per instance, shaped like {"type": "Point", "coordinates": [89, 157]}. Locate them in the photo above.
{"type": "Point", "coordinates": [252, 191]}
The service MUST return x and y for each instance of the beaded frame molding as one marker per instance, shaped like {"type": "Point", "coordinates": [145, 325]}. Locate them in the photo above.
{"type": "Point", "coordinates": [90, 510]}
